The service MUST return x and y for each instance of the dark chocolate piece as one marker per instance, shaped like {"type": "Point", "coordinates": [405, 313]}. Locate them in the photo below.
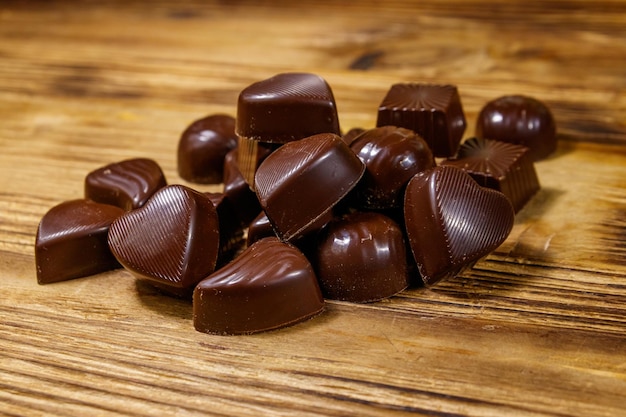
{"type": "Point", "coordinates": [173, 239]}
{"type": "Point", "coordinates": [432, 111]}
{"type": "Point", "coordinates": [231, 229]}
{"type": "Point", "coordinates": [269, 286]}
{"type": "Point", "coordinates": [520, 120]}
{"type": "Point", "coordinates": [352, 134]}
{"type": "Point", "coordinates": [127, 184]}
{"type": "Point", "coordinates": [502, 166]}
{"type": "Point", "coordinates": [300, 182]}
{"type": "Point", "coordinates": [72, 241]}
{"type": "Point", "coordinates": [281, 109]}
{"type": "Point", "coordinates": [451, 221]}
{"type": "Point", "coordinates": [244, 201]}
{"type": "Point", "coordinates": [260, 228]}
{"type": "Point", "coordinates": [392, 156]}
{"type": "Point", "coordinates": [362, 258]}
{"type": "Point", "coordinates": [203, 146]}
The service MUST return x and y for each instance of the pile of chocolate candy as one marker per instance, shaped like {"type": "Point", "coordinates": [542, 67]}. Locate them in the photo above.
{"type": "Point", "coordinates": [306, 213]}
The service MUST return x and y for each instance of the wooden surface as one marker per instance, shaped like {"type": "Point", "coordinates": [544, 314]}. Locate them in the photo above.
{"type": "Point", "coordinates": [536, 328]}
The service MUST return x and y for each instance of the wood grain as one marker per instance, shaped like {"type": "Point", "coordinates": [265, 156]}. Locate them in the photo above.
{"type": "Point", "coordinates": [536, 328]}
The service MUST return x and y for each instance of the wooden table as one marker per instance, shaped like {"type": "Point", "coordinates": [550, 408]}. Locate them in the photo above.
{"type": "Point", "coordinates": [536, 328]}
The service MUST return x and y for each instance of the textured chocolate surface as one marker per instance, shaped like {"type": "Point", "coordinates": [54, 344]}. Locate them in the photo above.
{"type": "Point", "coordinates": [72, 241]}
{"type": "Point", "coordinates": [432, 111]}
{"type": "Point", "coordinates": [270, 285]}
{"type": "Point", "coordinates": [499, 165]}
{"type": "Point", "coordinates": [520, 120]}
{"type": "Point", "coordinates": [127, 184]}
{"type": "Point", "coordinates": [362, 258]}
{"type": "Point", "coordinates": [392, 156]}
{"type": "Point", "coordinates": [173, 239]}
{"type": "Point", "coordinates": [203, 146]}
{"type": "Point", "coordinates": [286, 107]}
{"type": "Point", "coordinates": [300, 182]}
{"type": "Point", "coordinates": [451, 221]}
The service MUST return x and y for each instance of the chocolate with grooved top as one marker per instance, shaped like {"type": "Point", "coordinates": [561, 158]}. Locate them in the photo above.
{"type": "Point", "coordinates": [72, 241]}
{"type": "Point", "coordinates": [362, 258]}
{"type": "Point", "coordinates": [520, 120]}
{"type": "Point", "coordinates": [300, 182]}
{"type": "Point", "coordinates": [451, 221]}
{"type": "Point", "coordinates": [280, 109]}
{"type": "Point", "coordinates": [499, 165]}
{"type": "Point", "coordinates": [173, 239]}
{"type": "Point", "coordinates": [432, 111]}
{"type": "Point", "coordinates": [270, 285]}
{"type": "Point", "coordinates": [127, 184]}
{"type": "Point", "coordinates": [392, 156]}
{"type": "Point", "coordinates": [203, 146]}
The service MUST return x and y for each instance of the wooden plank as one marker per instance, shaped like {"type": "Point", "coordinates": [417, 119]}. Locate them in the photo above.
{"type": "Point", "coordinates": [536, 328]}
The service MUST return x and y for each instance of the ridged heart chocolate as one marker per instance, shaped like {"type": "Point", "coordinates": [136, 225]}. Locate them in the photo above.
{"type": "Point", "coordinates": [451, 221]}
{"type": "Point", "coordinates": [173, 239]}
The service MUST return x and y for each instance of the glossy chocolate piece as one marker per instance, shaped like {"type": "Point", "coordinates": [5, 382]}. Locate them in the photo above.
{"type": "Point", "coordinates": [269, 286]}
{"type": "Point", "coordinates": [499, 165]}
{"type": "Point", "coordinates": [432, 111]}
{"type": "Point", "coordinates": [72, 241]}
{"type": "Point", "coordinates": [281, 109]}
{"type": "Point", "coordinates": [300, 182]}
{"type": "Point", "coordinates": [203, 146]}
{"type": "Point", "coordinates": [362, 258]}
{"type": "Point", "coordinates": [392, 156]}
{"type": "Point", "coordinates": [231, 229]}
{"type": "Point", "coordinates": [352, 134]}
{"type": "Point", "coordinates": [245, 203]}
{"type": "Point", "coordinates": [520, 120]}
{"type": "Point", "coordinates": [173, 239]}
{"type": "Point", "coordinates": [451, 221]}
{"type": "Point", "coordinates": [259, 228]}
{"type": "Point", "coordinates": [127, 184]}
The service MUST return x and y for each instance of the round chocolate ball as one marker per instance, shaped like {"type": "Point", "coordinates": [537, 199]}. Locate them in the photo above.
{"type": "Point", "coordinates": [361, 257]}
{"type": "Point", "coordinates": [520, 120]}
{"type": "Point", "coordinates": [392, 156]}
{"type": "Point", "coordinates": [203, 147]}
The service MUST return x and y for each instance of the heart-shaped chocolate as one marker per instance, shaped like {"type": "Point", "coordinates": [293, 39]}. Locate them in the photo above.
{"type": "Point", "coordinates": [173, 239]}
{"type": "Point", "coordinates": [72, 241]}
{"type": "Point", "coordinates": [270, 285]}
{"type": "Point", "coordinates": [451, 221]}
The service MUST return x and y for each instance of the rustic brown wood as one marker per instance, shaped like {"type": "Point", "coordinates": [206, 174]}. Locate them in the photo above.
{"type": "Point", "coordinates": [536, 328]}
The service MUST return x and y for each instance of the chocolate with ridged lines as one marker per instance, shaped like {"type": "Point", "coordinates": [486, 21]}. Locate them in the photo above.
{"type": "Point", "coordinates": [269, 286]}
{"type": "Point", "coordinates": [173, 239]}
{"type": "Point", "coordinates": [300, 182]}
{"type": "Point", "coordinates": [451, 221]}
{"type": "Point", "coordinates": [433, 111]}
{"type": "Point", "coordinates": [499, 165]}
{"type": "Point", "coordinates": [127, 184]}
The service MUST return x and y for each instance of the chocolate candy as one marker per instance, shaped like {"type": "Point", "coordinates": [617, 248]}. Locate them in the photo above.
{"type": "Point", "coordinates": [203, 146]}
{"type": "Point", "coordinates": [172, 240]}
{"type": "Point", "coordinates": [231, 230]}
{"type": "Point", "coordinates": [520, 120]}
{"type": "Point", "coordinates": [499, 165]}
{"type": "Point", "coordinates": [362, 258]}
{"type": "Point", "coordinates": [392, 156]}
{"type": "Point", "coordinates": [260, 228]}
{"type": "Point", "coordinates": [270, 285]}
{"type": "Point", "coordinates": [451, 221]}
{"type": "Point", "coordinates": [352, 134]}
{"type": "Point", "coordinates": [300, 182]}
{"type": "Point", "coordinates": [281, 109]}
{"type": "Point", "coordinates": [432, 111]}
{"type": "Point", "coordinates": [72, 241]}
{"type": "Point", "coordinates": [245, 203]}
{"type": "Point", "coordinates": [127, 184]}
